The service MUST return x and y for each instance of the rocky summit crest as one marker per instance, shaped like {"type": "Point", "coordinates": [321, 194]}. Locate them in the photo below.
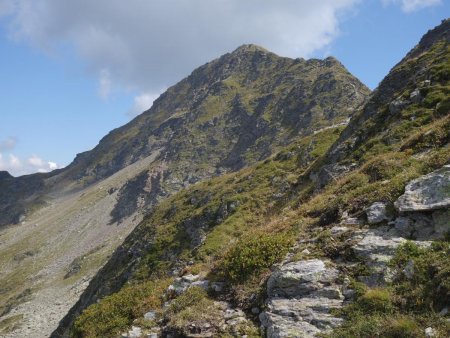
{"type": "Point", "coordinates": [259, 196]}
{"type": "Point", "coordinates": [341, 233]}
{"type": "Point", "coordinates": [227, 115]}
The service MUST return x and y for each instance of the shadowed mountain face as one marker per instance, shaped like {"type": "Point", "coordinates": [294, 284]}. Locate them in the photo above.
{"type": "Point", "coordinates": [227, 114]}
{"type": "Point", "coordinates": [308, 208]}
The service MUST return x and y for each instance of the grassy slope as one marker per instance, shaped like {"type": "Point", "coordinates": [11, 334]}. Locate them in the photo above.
{"type": "Point", "coordinates": [276, 198]}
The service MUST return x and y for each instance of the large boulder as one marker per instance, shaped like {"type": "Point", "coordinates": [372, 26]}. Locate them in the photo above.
{"type": "Point", "coordinates": [300, 278]}
{"type": "Point", "coordinates": [377, 213]}
{"type": "Point", "coordinates": [428, 192]}
{"type": "Point", "coordinates": [302, 296]}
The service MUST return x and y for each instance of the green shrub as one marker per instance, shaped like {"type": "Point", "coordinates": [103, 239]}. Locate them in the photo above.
{"type": "Point", "coordinates": [194, 308]}
{"type": "Point", "coordinates": [193, 295]}
{"type": "Point", "coordinates": [375, 301]}
{"type": "Point", "coordinates": [410, 304]}
{"type": "Point", "coordinates": [402, 327]}
{"type": "Point", "coordinates": [384, 166]}
{"type": "Point", "coordinates": [369, 326]}
{"type": "Point", "coordinates": [116, 312]}
{"type": "Point", "coordinates": [429, 285]}
{"type": "Point", "coordinates": [253, 254]}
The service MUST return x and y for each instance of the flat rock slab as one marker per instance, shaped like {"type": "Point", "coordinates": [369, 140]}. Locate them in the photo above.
{"type": "Point", "coordinates": [428, 192]}
{"type": "Point", "coordinates": [299, 278]}
{"type": "Point", "coordinates": [301, 296]}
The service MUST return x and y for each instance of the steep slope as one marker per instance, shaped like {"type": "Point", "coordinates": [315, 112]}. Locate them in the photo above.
{"type": "Point", "coordinates": [285, 244]}
{"type": "Point", "coordinates": [229, 113]}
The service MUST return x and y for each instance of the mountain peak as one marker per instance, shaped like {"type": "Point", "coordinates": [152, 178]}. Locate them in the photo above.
{"type": "Point", "coordinates": [4, 174]}
{"type": "Point", "coordinates": [249, 48]}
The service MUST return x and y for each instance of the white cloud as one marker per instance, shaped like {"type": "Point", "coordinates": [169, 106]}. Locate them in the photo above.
{"type": "Point", "coordinates": [36, 161]}
{"type": "Point", "coordinates": [104, 86]}
{"type": "Point", "coordinates": [8, 144]}
{"type": "Point", "coordinates": [17, 166]}
{"type": "Point", "coordinates": [409, 6]}
{"type": "Point", "coordinates": [14, 162]}
{"type": "Point", "coordinates": [149, 45]}
{"type": "Point", "coordinates": [52, 165]}
{"type": "Point", "coordinates": [141, 103]}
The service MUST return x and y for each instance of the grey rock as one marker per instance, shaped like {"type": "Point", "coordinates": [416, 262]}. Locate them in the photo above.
{"type": "Point", "coordinates": [428, 192]}
{"type": "Point", "coordinates": [338, 230]}
{"type": "Point", "coordinates": [305, 252]}
{"type": "Point", "coordinates": [218, 286]}
{"type": "Point", "coordinates": [441, 222]}
{"type": "Point", "coordinates": [299, 278]}
{"type": "Point", "coordinates": [151, 315]}
{"type": "Point", "coordinates": [233, 313]}
{"type": "Point", "coordinates": [377, 213]}
{"type": "Point", "coordinates": [181, 284]}
{"type": "Point", "coordinates": [415, 96]}
{"type": "Point", "coordinates": [204, 284]}
{"type": "Point", "coordinates": [376, 247]}
{"type": "Point", "coordinates": [304, 317]}
{"type": "Point", "coordinates": [331, 172]}
{"type": "Point", "coordinates": [302, 295]}
{"type": "Point", "coordinates": [404, 226]}
{"type": "Point", "coordinates": [397, 105]}
{"type": "Point", "coordinates": [408, 271]}
{"type": "Point", "coordinates": [135, 332]}
{"type": "Point", "coordinates": [351, 221]}
{"type": "Point", "coordinates": [190, 278]}
{"type": "Point", "coordinates": [430, 332]}
{"type": "Point", "coordinates": [422, 224]}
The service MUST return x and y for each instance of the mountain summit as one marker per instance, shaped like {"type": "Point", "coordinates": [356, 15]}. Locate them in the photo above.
{"type": "Point", "coordinates": [226, 115]}
{"type": "Point", "coordinates": [343, 232]}
{"type": "Point", "coordinates": [229, 113]}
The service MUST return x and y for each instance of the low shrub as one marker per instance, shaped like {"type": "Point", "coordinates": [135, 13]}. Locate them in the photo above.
{"type": "Point", "coordinates": [375, 301]}
{"type": "Point", "coordinates": [193, 295]}
{"type": "Point", "coordinates": [254, 253]}
{"type": "Point", "coordinates": [116, 312]}
{"type": "Point", "coordinates": [428, 286]}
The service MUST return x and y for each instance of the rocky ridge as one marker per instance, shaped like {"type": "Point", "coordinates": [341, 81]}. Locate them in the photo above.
{"type": "Point", "coordinates": [228, 114]}
{"type": "Point", "coordinates": [334, 211]}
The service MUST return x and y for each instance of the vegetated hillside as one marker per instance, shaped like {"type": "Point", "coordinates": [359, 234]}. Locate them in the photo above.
{"type": "Point", "coordinates": [342, 234]}
{"type": "Point", "coordinates": [228, 114]}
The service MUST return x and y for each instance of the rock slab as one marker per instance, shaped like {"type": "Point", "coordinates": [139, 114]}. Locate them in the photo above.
{"type": "Point", "coordinates": [428, 192]}
{"type": "Point", "coordinates": [301, 296]}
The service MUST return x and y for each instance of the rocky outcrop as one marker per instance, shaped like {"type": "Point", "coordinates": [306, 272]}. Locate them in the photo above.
{"type": "Point", "coordinates": [229, 113]}
{"type": "Point", "coordinates": [377, 213]}
{"type": "Point", "coordinates": [428, 192]}
{"type": "Point", "coordinates": [301, 296]}
{"type": "Point", "coordinates": [329, 173]}
{"type": "Point", "coordinates": [425, 206]}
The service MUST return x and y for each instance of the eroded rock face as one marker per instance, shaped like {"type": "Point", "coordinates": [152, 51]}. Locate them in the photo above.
{"type": "Point", "coordinates": [300, 278]}
{"type": "Point", "coordinates": [377, 213]}
{"type": "Point", "coordinates": [428, 192]}
{"type": "Point", "coordinates": [301, 296]}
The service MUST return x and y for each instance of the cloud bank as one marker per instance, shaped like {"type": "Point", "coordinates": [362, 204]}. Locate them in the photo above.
{"type": "Point", "coordinates": [147, 46]}
{"type": "Point", "coordinates": [17, 166]}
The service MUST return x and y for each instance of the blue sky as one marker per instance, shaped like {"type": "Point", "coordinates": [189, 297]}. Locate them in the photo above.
{"type": "Point", "coordinates": [71, 73]}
